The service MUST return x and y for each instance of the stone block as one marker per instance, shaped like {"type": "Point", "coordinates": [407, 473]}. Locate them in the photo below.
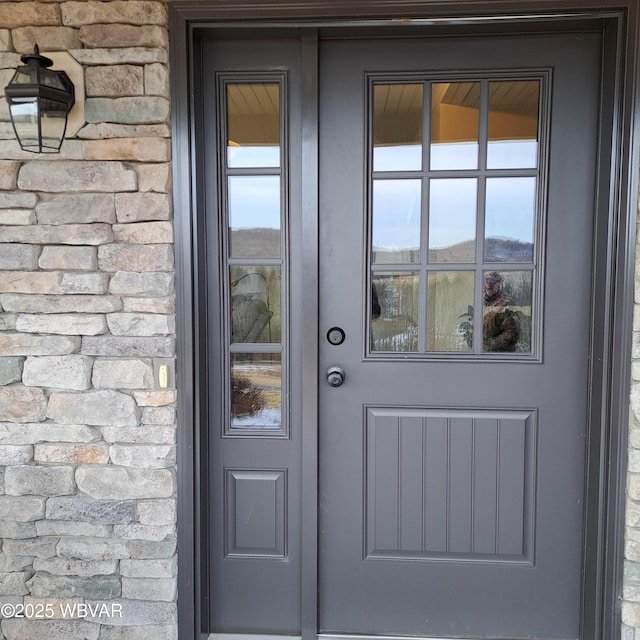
{"type": "Point", "coordinates": [143, 456]}
{"type": "Point", "coordinates": [56, 608]}
{"type": "Point", "coordinates": [149, 305]}
{"type": "Point", "coordinates": [163, 568]}
{"type": "Point", "coordinates": [10, 369]}
{"type": "Point", "coordinates": [120, 483]}
{"type": "Point", "coordinates": [83, 509]}
{"type": "Point", "coordinates": [5, 40]}
{"type": "Point", "coordinates": [30, 282]}
{"type": "Point", "coordinates": [108, 130]}
{"type": "Point", "coordinates": [94, 36]}
{"type": "Point", "coordinates": [9, 173]}
{"type": "Point", "coordinates": [144, 257]}
{"type": "Point", "coordinates": [156, 589]}
{"type": "Point", "coordinates": [20, 404]}
{"type": "Point", "coordinates": [92, 549]}
{"type": "Point", "coordinates": [21, 508]}
{"type": "Point", "coordinates": [155, 398]}
{"type": "Point", "coordinates": [38, 547]}
{"type": "Point", "coordinates": [72, 258]}
{"type": "Point", "coordinates": [46, 432]}
{"type": "Point", "coordinates": [144, 233]}
{"type": "Point", "coordinates": [157, 512]}
{"type": "Point", "coordinates": [11, 563]}
{"type": "Point", "coordinates": [48, 38]}
{"type": "Point", "coordinates": [17, 530]}
{"type": "Point", "coordinates": [81, 568]}
{"type": "Point", "coordinates": [74, 283]}
{"type": "Point", "coordinates": [19, 344]}
{"type": "Point", "coordinates": [7, 322]}
{"type": "Point", "coordinates": [64, 175]}
{"type": "Point", "coordinates": [25, 629]}
{"type": "Point", "coordinates": [154, 177]}
{"type": "Point", "coordinates": [141, 612]}
{"type": "Point", "coordinates": [137, 12]}
{"type": "Point", "coordinates": [120, 55]}
{"type": "Point", "coordinates": [156, 533]}
{"type": "Point", "coordinates": [44, 585]}
{"type": "Point", "coordinates": [142, 207]}
{"type": "Point", "coordinates": [74, 234]}
{"type": "Point", "coordinates": [72, 453]}
{"type": "Point", "coordinates": [20, 14]}
{"type": "Point", "coordinates": [83, 208]}
{"type": "Point", "coordinates": [122, 374]}
{"type": "Point", "coordinates": [15, 454]}
{"type": "Point", "coordinates": [58, 372]}
{"type": "Point", "coordinates": [93, 408]}
{"type": "Point", "coordinates": [128, 149]}
{"type": "Point", "coordinates": [158, 415]}
{"type": "Point", "coordinates": [19, 199]}
{"type": "Point", "coordinates": [133, 110]}
{"type": "Point", "coordinates": [125, 346]}
{"type": "Point", "coordinates": [61, 528]}
{"type": "Point", "coordinates": [156, 80]}
{"type": "Point", "coordinates": [114, 81]}
{"type": "Point", "coordinates": [149, 550]}
{"type": "Point", "coordinates": [150, 284]}
{"type": "Point", "coordinates": [59, 304]}
{"type": "Point", "coordinates": [73, 324]}
{"type": "Point", "coordinates": [139, 435]}
{"type": "Point", "coordinates": [140, 324]}
{"type": "Point", "coordinates": [14, 257]}
{"type": "Point", "coordinates": [18, 217]}
{"type": "Point", "coordinates": [146, 632]}
{"type": "Point", "coordinates": [21, 480]}
{"type": "Point", "coordinates": [13, 584]}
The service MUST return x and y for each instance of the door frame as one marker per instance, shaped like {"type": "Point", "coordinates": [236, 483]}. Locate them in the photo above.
{"type": "Point", "coordinates": [613, 268]}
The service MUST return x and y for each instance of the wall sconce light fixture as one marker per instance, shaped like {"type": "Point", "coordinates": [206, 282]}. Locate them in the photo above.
{"type": "Point", "coordinates": [39, 101]}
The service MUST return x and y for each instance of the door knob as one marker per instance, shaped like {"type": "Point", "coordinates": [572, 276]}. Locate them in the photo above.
{"type": "Point", "coordinates": [335, 376]}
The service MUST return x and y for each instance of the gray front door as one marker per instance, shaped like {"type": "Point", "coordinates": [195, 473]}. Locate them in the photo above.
{"type": "Point", "coordinates": [456, 217]}
{"type": "Point", "coordinates": [456, 212]}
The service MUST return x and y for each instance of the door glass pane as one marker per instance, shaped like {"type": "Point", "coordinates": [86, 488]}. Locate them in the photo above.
{"type": "Point", "coordinates": [513, 124]}
{"type": "Point", "coordinates": [396, 221]}
{"type": "Point", "coordinates": [509, 219]}
{"type": "Point", "coordinates": [253, 124]}
{"type": "Point", "coordinates": [397, 127]}
{"type": "Point", "coordinates": [452, 220]}
{"type": "Point", "coordinates": [256, 391]}
{"type": "Point", "coordinates": [254, 216]}
{"type": "Point", "coordinates": [507, 307]}
{"type": "Point", "coordinates": [449, 307]}
{"type": "Point", "coordinates": [454, 125]}
{"type": "Point", "coordinates": [255, 304]}
{"type": "Point", "coordinates": [394, 311]}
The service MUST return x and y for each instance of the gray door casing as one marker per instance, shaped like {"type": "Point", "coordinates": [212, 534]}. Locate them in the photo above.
{"type": "Point", "coordinates": [612, 274]}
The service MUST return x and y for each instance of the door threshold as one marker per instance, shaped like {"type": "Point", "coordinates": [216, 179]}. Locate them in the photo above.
{"type": "Point", "coordinates": [251, 636]}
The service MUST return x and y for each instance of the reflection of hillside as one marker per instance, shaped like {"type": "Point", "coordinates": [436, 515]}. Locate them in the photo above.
{"type": "Point", "coordinates": [496, 250]}
{"type": "Point", "coordinates": [255, 243]}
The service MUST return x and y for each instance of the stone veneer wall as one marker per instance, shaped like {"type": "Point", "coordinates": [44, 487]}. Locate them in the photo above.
{"type": "Point", "coordinates": [87, 442]}
{"type": "Point", "coordinates": [87, 454]}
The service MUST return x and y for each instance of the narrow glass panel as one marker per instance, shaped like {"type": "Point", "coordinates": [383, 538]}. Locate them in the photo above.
{"type": "Point", "coordinates": [254, 216]}
{"type": "Point", "coordinates": [394, 311]}
{"type": "Point", "coordinates": [513, 124]}
{"type": "Point", "coordinates": [450, 311]}
{"type": "Point", "coordinates": [509, 219]}
{"type": "Point", "coordinates": [454, 125]}
{"type": "Point", "coordinates": [507, 307]}
{"type": "Point", "coordinates": [253, 124]}
{"type": "Point", "coordinates": [256, 304]}
{"type": "Point", "coordinates": [397, 127]}
{"type": "Point", "coordinates": [452, 220]}
{"type": "Point", "coordinates": [396, 221]}
{"type": "Point", "coordinates": [256, 391]}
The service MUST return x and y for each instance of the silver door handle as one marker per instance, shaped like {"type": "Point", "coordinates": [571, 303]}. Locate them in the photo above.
{"type": "Point", "coordinates": [335, 376]}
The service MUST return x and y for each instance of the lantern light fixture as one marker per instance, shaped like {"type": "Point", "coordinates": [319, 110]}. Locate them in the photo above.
{"type": "Point", "coordinates": [39, 101]}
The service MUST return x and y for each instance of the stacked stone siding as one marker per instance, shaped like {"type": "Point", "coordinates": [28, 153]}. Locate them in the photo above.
{"type": "Point", "coordinates": [87, 439]}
